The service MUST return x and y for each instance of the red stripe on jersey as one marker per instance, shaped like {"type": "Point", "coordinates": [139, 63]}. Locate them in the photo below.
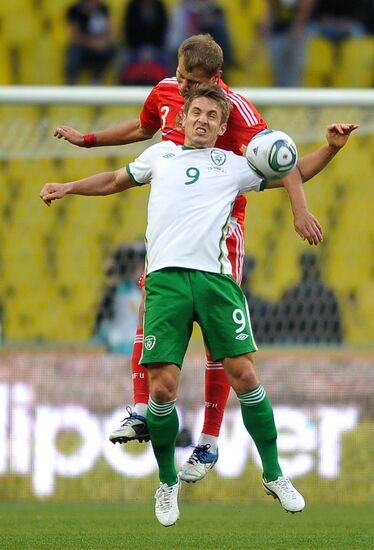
{"type": "Point", "coordinates": [238, 210]}
{"type": "Point", "coordinates": [141, 282]}
{"type": "Point", "coordinates": [235, 247]}
{"type": "Point", "coordinates": [243, 106]}
{"type": "Point", "coordinates": [169, 80]}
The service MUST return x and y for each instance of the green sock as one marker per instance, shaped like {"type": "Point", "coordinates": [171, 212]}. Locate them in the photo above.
{"type": "Point", "coordinates": [162, 420]}
{"type": "Point", "coordinates": [258, 418]}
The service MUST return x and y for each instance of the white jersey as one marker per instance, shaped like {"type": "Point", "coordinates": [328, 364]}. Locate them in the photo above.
{"type": "Point", "coordinates": [189, 207]}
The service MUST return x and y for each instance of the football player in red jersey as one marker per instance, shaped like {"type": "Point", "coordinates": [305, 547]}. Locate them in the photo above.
{"type": "Point", "coordinates": [200, 61]}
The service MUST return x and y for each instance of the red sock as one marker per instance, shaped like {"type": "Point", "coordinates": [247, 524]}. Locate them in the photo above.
{"type": "Point", "coordinates": [139, 373]}
{"type": "Point", "coordinates": [217, 389]}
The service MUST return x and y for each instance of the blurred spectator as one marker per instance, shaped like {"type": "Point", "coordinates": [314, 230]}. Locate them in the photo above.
{"type": "Point", "coordinates": [365, 10]}
{"type": "Point", "coordinates": [117, 316]}
{"type": "Point", "coordinates": [310, 311]}
{"type": "Point", "coordinates": [284, 31]}
{"type": "Point", "coordinates": [337, 20]}
{"type": "Point", "coordinates": [199, 17]}
{"type": "Point", "coordinates": [144, 67]}
{"type": "Point", "coordinates": [144, 30]}
{"type": "Point", "coordinates": [145, 24]}
{"type": "Point", "coordinates": [91, 43]}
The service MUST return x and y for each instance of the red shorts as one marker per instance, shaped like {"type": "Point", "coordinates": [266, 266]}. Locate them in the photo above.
{"type": "Point", "coordinates": [235, 247]}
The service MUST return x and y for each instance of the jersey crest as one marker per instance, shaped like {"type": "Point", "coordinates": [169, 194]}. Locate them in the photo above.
{"type": "Point", "coordinates": [218, 157]}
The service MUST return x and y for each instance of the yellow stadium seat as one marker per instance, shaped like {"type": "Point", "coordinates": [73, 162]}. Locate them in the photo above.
{"type": "Point", "coordinates": [24, 114]}
{"type": "Point", "coordinates": [5, 65]}
{"type": "Point", "coordinates": [319, 63]}
{"type": "Point", "coordinates": [20, 26]}
{"type": "Point", "coordinates": [356, 66]}
{"type": "Point", "coordinates": [56, 9]}
{"type": "Point", "coordinates": [43, 64]}
{"type": "Point", "coordinates": [78, 116]}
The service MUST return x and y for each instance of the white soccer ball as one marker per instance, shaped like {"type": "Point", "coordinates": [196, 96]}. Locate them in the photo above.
{"type": "Point", "coordinates": [272, 154]}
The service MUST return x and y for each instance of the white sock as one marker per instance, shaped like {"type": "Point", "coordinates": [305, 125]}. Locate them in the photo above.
{"type": "Point", "coordinates": [141, 408]}
{"type": "Point", "coordinates": [211, 440]}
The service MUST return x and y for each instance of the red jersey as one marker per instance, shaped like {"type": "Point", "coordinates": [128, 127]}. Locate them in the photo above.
{"type": "Point", "coordinates": [160, 111]}
{"type": "Point", "coordinates": [165, 103]}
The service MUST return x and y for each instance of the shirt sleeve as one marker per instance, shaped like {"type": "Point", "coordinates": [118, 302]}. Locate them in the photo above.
{"type": "Point", "coordinates": [248, 179]}
{"type": "Point", "coordinates": [140, 169]}
{"type": "Point", "coordinates": [149, 115]}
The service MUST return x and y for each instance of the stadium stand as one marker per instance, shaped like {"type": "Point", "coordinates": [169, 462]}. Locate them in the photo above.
{"type": "Point", "coordinates": [33, 47]}
{"type": "Point", "coordinates": [66, 246]}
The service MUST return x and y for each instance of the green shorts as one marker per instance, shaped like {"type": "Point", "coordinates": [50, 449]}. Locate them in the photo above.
{"type": "Point", "coordinates": [175, 298]}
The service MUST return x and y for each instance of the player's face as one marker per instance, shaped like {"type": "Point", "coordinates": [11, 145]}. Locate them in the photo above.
{"type": "Point", "coordinates": [187, 81]}
{"type": "Point", "coordinates": [202, 123]}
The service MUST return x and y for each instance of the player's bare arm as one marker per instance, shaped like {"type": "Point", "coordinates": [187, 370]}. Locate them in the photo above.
{"type": "Point", "coordinates": [306, 225]}
{"type": "Point", "coordinates": [129, 131]}
{"type": "Point", "coordinates": [337, 135]}
{"type": "Point", "coordinates": [105, 183]}
{"type": "Point", "coordinates": [308, 166]}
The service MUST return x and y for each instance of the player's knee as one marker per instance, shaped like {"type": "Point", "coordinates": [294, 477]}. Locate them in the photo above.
{"type": "Point", "coordinates": [241, 371]}
{"type": "Point", "coordinates": [163, 384]}
{"type": "Point", "coordinates": [162, 393]}
{"type": "Point", "coordinates": [248, 379]}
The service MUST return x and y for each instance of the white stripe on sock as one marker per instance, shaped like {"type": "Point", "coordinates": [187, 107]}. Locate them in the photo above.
{"type": "Point", "coordinates": [161, 409]}
{"type": "Point", "coordinates": [253, 397]}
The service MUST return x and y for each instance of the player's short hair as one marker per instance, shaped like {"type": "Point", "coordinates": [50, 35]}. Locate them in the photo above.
{"type": "Point", "coordinates": [213, 92]}
{"type": "Point", "coordinates": [201, 51]}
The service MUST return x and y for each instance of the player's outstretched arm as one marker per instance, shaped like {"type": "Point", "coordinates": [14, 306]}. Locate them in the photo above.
{"type": "Point", "coordinates": [306, 225]}
{"type": "Point", "coordinates": [105, 183]}
{"type": "Point", "coordinates": [129, 131]}
{"type": "Point", "coordinates": [337, 135]}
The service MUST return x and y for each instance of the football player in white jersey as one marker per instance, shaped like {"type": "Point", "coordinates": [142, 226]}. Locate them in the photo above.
{"type": "Point", "coordinates": [200, 61]}
{"type": "Point", "coordinates": [189, 278]}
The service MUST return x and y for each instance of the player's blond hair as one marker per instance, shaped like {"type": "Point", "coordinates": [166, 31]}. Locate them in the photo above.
{"type": "Point", "coordinates": [201, 51]}
{"type": "Point", "coordinates": [214, 92]}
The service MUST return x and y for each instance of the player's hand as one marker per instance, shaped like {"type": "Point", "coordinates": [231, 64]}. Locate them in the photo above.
{"type": "Point", "coordinates": [308, 227]}
{"type": "Point", "coordinates": [70, 134]}
{"type": "Point", "coordinates": [337, 134]}
{"type": "Point", "coordinates": [52, 191]}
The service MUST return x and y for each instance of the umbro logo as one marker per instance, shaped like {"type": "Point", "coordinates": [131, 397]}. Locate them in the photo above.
{"type": "Point", "coordinates": [168, 155]}
{"type": "Point", "coordinates": [241, 336]}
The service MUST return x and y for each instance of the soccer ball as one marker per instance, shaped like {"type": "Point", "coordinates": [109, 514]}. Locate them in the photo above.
{"type": "Point", "coordinates": [272, 154]}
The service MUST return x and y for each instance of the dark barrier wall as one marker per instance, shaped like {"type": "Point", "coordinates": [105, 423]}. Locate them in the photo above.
{"type": "Point", "coordinates": [57, 409]}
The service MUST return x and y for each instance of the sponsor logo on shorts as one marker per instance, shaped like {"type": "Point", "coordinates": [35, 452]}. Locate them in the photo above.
{"type": "Point", "coordinates": [149, 342]}
{"type": "Point", "coordinates": [241, 336]}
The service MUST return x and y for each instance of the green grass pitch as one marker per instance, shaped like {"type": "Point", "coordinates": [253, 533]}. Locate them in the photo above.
{"type": "Point", "coordinates": [205, 526]}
